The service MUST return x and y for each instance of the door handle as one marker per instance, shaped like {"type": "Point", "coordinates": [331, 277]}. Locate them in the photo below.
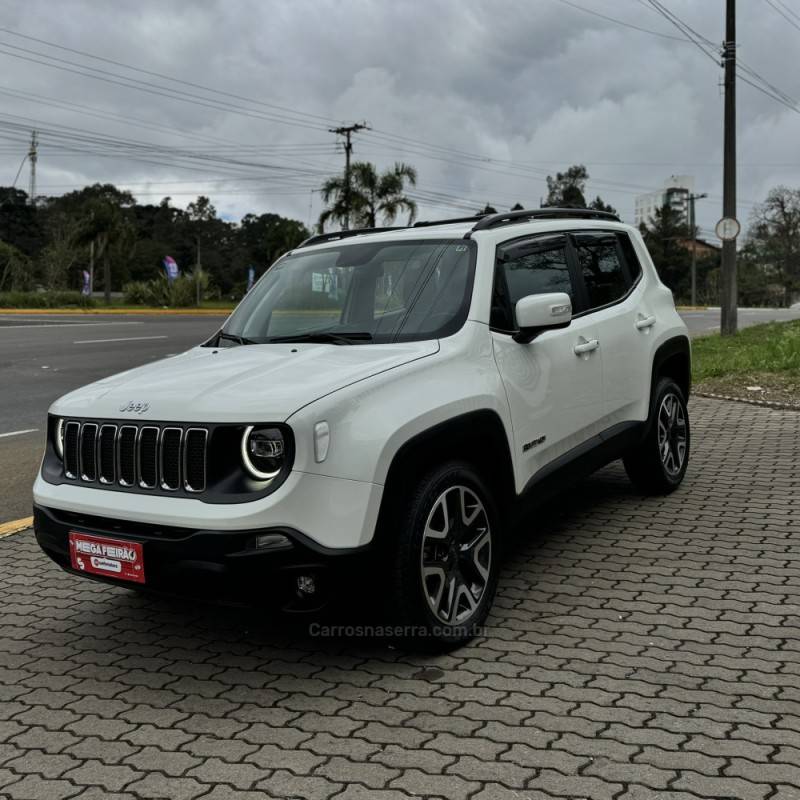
{"type": "Point", "coordinates": [645, 322]}
{"type": "Point", "coordinates": [585, 346]}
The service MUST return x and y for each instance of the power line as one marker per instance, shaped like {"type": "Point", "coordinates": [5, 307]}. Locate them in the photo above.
{"type": "Point", "coordinates": [617, 21]}
{"type": "Point", "coordinates": [21, 165]}
{"type": "Point", "coordinates": [788, 10]}
{"type": "Point", "coordinates": [791, 21]}
{"type": "Point", "coordinates": [163, 76]}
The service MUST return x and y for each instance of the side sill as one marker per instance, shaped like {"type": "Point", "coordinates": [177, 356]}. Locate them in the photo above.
{"type": "Point", "coordinates": [579, 462]}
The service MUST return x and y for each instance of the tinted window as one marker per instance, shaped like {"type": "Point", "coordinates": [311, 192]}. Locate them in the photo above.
{"type": "Point", "coordinates": [601, 266]}
{"type": "Point", "coordinates": [535, 266]}
{"type": "Point", "coordinates": [631, 259]}
{"type": "Point", "coordinates": [394, 291]}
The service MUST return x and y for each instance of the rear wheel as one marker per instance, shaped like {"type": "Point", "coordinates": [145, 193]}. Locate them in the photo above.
{"type": "Point", "coordinates": [445, 558]}
{"type": "Point", "coordinates": [658, 464]}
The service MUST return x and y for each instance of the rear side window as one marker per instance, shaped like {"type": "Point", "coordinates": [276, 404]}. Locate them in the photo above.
{"type": "Point", "coordinates": [631, 259]}
{"type": "Point", "coordinates": [601, 266]}
{"type": "Point", "coordinates": [532, 266]}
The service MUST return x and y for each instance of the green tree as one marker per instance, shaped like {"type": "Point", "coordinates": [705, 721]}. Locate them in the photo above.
{"type": "Point", "coordinates": [773, 241]}
{"type": "Point", "coordinates": [102, 222]}
{"type": "Point", "coordinates": [370, 195]}
{"type": "Point", "coordinates": [665, 235]}
{"type": "Point", "coordinates": [61, 253]}
{"type": "Point", "coordinates": [266, 237]}
{"type": "Point", "coordinates": [567, 190]}
{"type": "Point", "coordinates": [15, 269]}
{"type": "Point", "coordinates": [20, 222]}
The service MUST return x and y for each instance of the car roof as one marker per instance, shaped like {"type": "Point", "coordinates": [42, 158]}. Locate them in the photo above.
{"type": "Point", "coordinates": [462, 230]}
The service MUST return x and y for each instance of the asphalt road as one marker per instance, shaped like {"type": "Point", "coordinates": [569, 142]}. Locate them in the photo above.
{"type": "Point", "coordinates": [44, 356]}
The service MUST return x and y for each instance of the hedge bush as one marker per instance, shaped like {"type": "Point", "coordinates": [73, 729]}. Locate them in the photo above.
{"type": "Point", "coordinates": [181, 293]}
{"type": "Point", "coordinates": [53, 299]}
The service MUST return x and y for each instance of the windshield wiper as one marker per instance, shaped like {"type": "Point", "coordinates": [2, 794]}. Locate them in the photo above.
{"type": "Point", "coordinates": [325, 337]}
{"type": "Point", "coordinates": [232, 337]}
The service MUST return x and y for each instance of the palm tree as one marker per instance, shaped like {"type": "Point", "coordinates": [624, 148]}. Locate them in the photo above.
{"type": "Point", "coordinates": [370, 195]}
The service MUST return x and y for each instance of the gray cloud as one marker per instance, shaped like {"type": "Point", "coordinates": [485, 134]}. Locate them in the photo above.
{"type": "Point", "coordinates": [533, 82]}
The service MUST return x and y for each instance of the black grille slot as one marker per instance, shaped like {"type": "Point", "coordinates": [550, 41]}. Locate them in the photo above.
{"type": "Point", "coordinates": [161, 457]}
{"type": "Point", "coordinates": [106, 462]}
{"type": "Point", "coordinates": [171, 458]}
{"type": "Point", "coordinates": [71, 442]}
{"type": "Point", "coordinates": [148, 457]}
{"type": "Point", "coordinates": [194, 455]}
{"type": "Point", "coordinates": [126, 458]}
{"type": "Point", "coordinates": [88, 451]}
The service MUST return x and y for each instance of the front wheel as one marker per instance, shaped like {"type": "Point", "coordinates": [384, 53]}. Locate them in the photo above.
{"type": "Point", "coordinates": [445, 558]}
{"type": "Point", "coordinates": [658, 464]}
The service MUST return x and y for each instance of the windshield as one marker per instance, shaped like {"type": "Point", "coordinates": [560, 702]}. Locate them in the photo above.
{"type": "Point", "coordinates": [359, 293]}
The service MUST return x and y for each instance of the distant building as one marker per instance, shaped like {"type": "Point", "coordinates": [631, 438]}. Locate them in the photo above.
{"type": "Point", "coordinates": [675, 193]}
{"type": "Point", "coordinates": [701, 247]}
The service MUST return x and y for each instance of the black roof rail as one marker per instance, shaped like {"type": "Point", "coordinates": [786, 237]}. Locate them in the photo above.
{"type": "Point", "coordinates": [452, 221]}
{"type": "Point", "coordinates": [510, 217]}
{"type": "Point", "coordinates": [333, 236]}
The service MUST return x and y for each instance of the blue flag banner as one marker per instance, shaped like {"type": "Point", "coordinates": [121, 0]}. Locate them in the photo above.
{"type": "Point", "coordinates": [251, 276]}
{"type": "Point", "coordinates": [86, 288]}
{"type": "Point", "coordinates": [171, 268]}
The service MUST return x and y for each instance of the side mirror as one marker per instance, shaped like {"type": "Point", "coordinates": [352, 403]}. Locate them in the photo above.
{"type": "Point", "coordinates": [541, 312]}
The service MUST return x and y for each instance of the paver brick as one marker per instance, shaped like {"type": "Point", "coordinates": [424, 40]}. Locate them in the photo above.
{"type": "Point", "coordinates": [288, 785]}
{"type": "Point", "coordinates": [640, 649]}
{"type": "Point", "coordinates": [421, 784]}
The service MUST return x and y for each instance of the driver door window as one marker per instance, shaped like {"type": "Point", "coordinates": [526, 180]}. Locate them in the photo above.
{"type": "Point", "coordinates": [532, 266]}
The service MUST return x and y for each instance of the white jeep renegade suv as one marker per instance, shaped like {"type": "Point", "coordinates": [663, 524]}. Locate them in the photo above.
{"type": "Point", "coordinates": [381, 400]}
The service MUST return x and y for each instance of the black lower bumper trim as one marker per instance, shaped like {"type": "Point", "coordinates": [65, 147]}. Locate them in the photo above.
{"type": "Point", "coordinates": [220, 566]}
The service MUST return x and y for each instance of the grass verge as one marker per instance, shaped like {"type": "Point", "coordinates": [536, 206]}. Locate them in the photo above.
{"type": "Point", "coordinates": [759, 363]}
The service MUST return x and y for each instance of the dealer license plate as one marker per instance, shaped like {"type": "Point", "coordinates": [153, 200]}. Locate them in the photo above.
{"type": "Point", "coordinates": [111, 558]}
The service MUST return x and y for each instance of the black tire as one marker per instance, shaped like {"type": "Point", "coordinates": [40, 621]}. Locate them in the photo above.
{"type": "Point", "coordinates": [456, 489]}
{"type": "Point", "coordinates": [658, 464]}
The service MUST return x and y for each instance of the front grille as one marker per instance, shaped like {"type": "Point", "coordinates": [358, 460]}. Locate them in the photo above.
{"type": "Point", "coordinates": [71, 448]}
{"type": "Point", "coordinates": [87, 450]}
{"type": "Point", "coordinates": [194, 459]}
{"type": "Point", "coordinates": [144, 456]}
{"type": "Point", "coordinates": [171, 458]}
{"type": "Point", "coordinates": [148, 457]}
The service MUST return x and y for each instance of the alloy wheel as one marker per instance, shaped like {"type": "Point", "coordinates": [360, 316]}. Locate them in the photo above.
{"type": "Point", "coordinates": [456, 555]}
{"type": "Point", "coordinates": [672, 434]}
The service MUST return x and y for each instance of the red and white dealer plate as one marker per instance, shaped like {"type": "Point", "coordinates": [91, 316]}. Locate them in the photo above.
{"type": "Point", "coordinates": [111, 558]}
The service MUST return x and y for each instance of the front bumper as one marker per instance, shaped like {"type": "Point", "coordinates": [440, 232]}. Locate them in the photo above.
{"type": "Point", "coordinates": [333, 512]}
{"type": "Point", "coordinates": [214, 565]}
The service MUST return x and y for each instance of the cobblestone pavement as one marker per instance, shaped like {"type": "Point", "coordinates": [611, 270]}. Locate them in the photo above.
{"type": "Point", "coordinates": [640, 648]}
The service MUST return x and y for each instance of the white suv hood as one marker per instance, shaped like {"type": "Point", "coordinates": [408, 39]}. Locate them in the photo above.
{"type": "Point", "coordinates": [257, 383]}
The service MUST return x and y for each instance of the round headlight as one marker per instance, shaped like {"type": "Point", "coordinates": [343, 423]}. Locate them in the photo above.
{"type": "Point", "coordinates": [58, 438]}
{"type": "Point", "coordinates": [263, 452]}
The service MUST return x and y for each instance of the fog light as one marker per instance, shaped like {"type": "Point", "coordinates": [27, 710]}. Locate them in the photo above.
{"type": "Point", "coordinates": [272, 541]}
{"type": "Point", "coordinates": [306, 584]}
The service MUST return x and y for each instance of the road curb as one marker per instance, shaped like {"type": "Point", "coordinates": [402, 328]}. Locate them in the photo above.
{"type": "Point", "coordinates": [187, 312]}
{"type": "Point", "coordinates": [750, 401]}
{"type": "Point", "coordinates": [16, 526]}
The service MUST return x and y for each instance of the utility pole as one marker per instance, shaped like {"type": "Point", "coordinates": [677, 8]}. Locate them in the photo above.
{"type": "Point", "coordinates": [693, 238]}
{"type": "Point", "coordinates": [347, 131]}
{"type": "Point", "coordinates": [32, 157]}
{"type": "Point", "coordinates": [728, 295]}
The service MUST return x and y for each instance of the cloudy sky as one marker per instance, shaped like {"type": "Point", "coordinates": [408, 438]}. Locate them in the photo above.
{"type": "Point", "coordinates": [234, 98]}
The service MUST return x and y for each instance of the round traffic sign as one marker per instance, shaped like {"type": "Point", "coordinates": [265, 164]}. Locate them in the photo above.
{"type": "Point", "coordinates": [728, 228]}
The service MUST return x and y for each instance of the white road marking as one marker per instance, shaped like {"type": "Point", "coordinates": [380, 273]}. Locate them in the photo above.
{"type": "Point", "coordinates": [67, 325]}
{"type": "Point", "coordinates": [18, 433]}
{"type": "Point", "coordinates": [127, 339]}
